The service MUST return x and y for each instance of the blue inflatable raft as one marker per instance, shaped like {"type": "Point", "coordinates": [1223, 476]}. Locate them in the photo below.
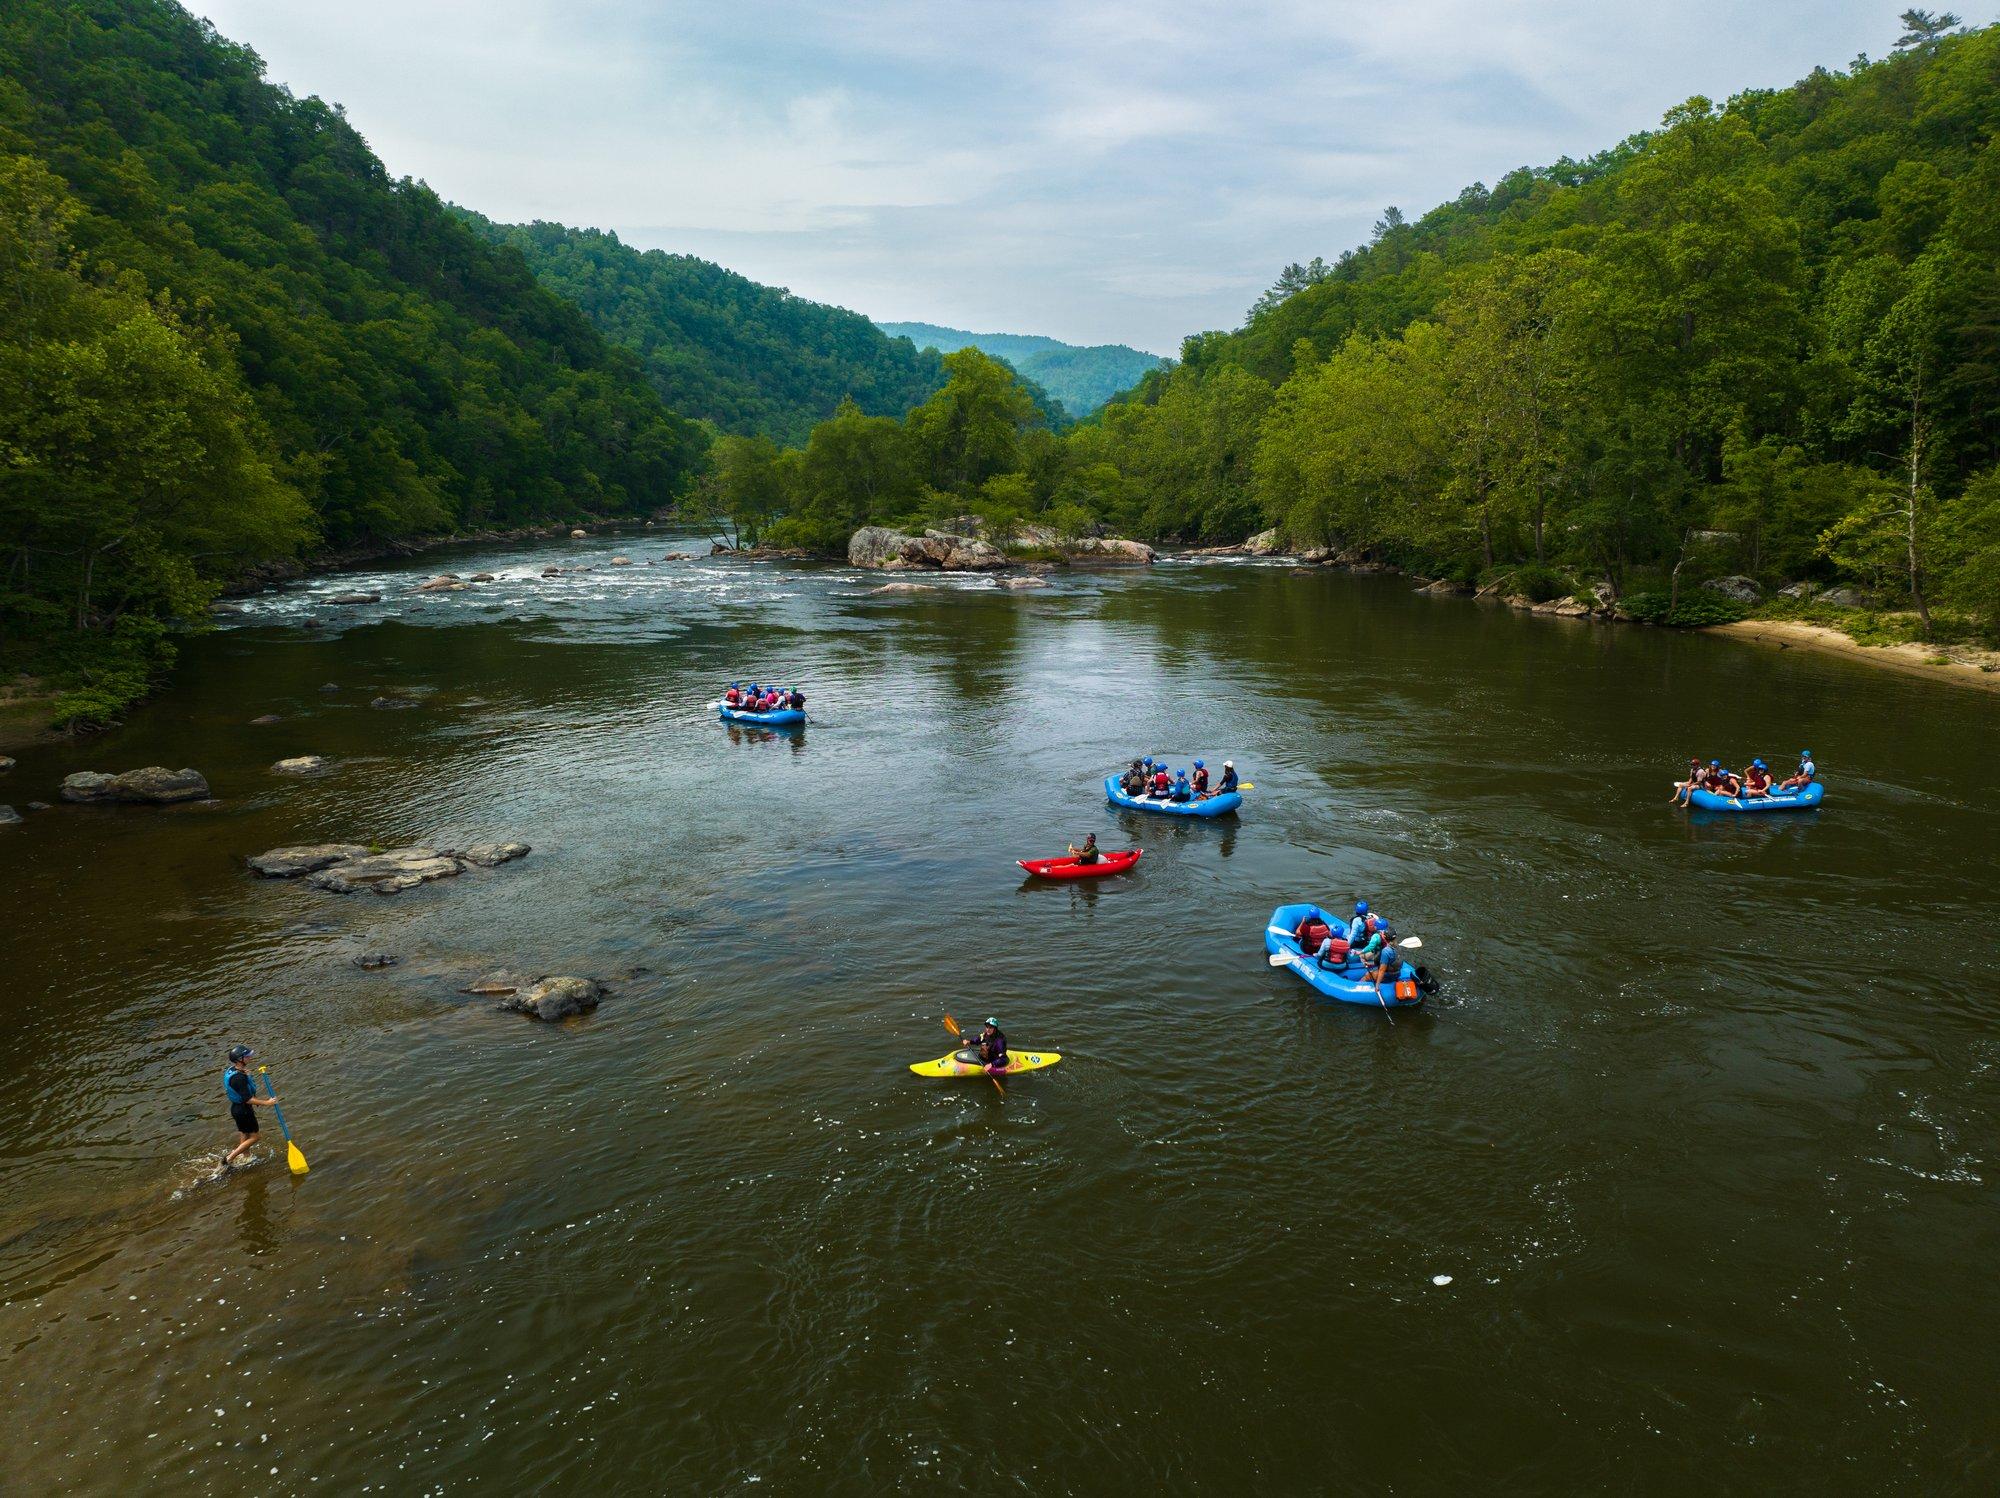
{"type": "Point", "coordinates": [1347, 984]}
{"type": "Point", "coordinates": [1214, 806]}
{"type": "Point", "coordinates": [1804, 799]}
{"type": "Point", "coordinates": [784, 717]}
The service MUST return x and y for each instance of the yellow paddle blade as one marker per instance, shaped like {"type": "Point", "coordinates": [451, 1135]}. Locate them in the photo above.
{"type": "Point", "coordinates": [1247, 786]}
{"type": "Point", "coordinates": [296, 1158]}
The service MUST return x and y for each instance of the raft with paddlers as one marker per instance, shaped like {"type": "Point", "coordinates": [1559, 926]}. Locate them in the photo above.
{"type": "Point", "coordinates": [1213, 806]}
{"type": "Point", "coordinates": [1074, 868]}
{"type": "Point", "coordinates": [1348, 982]}
{"type": "Point", "coordinates": [1803, 799]}
{"type": "Point", "coordinates": [784, 717]}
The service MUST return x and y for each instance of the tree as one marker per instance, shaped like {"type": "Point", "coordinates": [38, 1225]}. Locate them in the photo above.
{"type": "Point", "coordinates": [1923, 28]}
{"type": "Point", "coordinates": [970, 430]}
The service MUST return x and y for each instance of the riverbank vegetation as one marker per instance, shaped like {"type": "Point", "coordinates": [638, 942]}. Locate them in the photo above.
{"type": "Point", "coordinates": [229, 334]}
{"type": "Point", "coordinates": [1762, 340]}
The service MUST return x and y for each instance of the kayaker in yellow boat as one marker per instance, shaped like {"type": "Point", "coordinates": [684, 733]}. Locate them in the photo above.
{"type": "Point", "coordinates": [992, 1043]}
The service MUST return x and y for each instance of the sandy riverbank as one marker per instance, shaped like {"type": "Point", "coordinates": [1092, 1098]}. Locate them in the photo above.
{"type": "Point", "coordinates": [1965, 665]}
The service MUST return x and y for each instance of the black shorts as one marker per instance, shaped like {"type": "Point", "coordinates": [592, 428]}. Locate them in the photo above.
{"type": "Point", "coordinates": [245, 1116]}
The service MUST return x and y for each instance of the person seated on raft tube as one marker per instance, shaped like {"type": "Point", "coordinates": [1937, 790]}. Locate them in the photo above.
{"type": "Point", "coordinates": [1357, 929]}
{"type": "Point", "coordinates": [1088, 852]}
{"type": "Point", "coordinates": [1228, 781]}
{"type": "Point", "coordinates": [1381, 941]}
{"type": "Point", "coordinates": [1684, 789]}
{"type": "Point", "coordinates": [992, 1045]}
{"type": "Point", "coordinates": [1182, 791]}
{"type": "Point", "coordinates": [796, 700]}
{"type": "Point", "coordinates": [1200, 779]}
{"type": "Point", "coordinates": [1133, 781]}
{"type": "Point", "coordinates": [734, 696]}
{"type": "Point", "coordinates": [1388, 961]}
{"type": "Point", "coordinates": [1807, 772]}
{"type": "Point", "coordinates": [1757, 779]}
{"type": "Point", "coordinates": [1318, 941]}
{"type": "Point", "coordinates": [1163, 783]}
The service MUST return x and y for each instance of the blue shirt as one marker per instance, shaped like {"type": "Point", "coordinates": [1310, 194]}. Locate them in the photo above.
{"type": "Point", "coordinates": [1356, 930]}
{"type": "Point", "coordinates": [1808, 769]}
{"type": "Point", "coordinates": [238, 1086]}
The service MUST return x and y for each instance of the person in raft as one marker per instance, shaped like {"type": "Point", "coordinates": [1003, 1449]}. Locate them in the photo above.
{"type": "Point", "coordinates": [1163, 783]}
{"type": "Point", "coordinates": [1805, 775]}
{"type": "Point", "coordinates": [1200, 780]}
{"type": "Point", "coordinates": [1228, 781]}
{"type": "Point", "coordinates": [241, 1090]}
{"type": "Point", "coordinates": [1088, 852]}
{"type": "Point", "coordinates": [1388, 963]}
{"type": "Point", "coordinates": [796, 700]}
{"type": "Point", "coordinates": [1182, 791]}
{"type": "Point", "coordinates": [1757, 779]}
{"type": "Point", "coordinates": [734, 696]}
{"type": "Point", "coordinates": [1317, 940]}
{"type": "Point", "coordinates": [1684, 789]}
{"type": "Point", "coordinates": [992, 1045]}
{"type": "Point", "coordinates": [1133, 781]}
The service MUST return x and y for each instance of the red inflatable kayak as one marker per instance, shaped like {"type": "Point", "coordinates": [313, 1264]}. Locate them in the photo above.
{"type": "Point", "coordinates": [1069, 868]}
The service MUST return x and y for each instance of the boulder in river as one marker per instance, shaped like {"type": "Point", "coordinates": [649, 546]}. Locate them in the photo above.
{"type": "Point", "coordinates": [578, 534]}
{"type": "Point", "coordinates": [1010, 582]}
{"type": "Point", "coordinates": [556, 998]}
{"type": "Point", "coordinates": [878, 546]}
{"type": "Point", "coordinates": [346, 598]}
{"type": "Point", "coordinates": [492, 855]}
{"type": "Point", "coordinates": [38, 806]}
{"type": "Point", "coordinates": [374, 961]}
{"type": "Point", "coordinates": [328, 688]}
{"type": "Point", "coordinates": [8, 816]}
{"type": "Point", "coordinates": [444, 582]}
{"type": "Point", "coordinates": [300, 764]}
{"type": "Point", "coordinates": [155, 784]}
{"type": "Point", "coordinates": [266, 720]}
{"type": "Point", "coordinates": [386, 873]}
{"type": "Point", "coordinates": [498, 984]}
{"type": "Point", "coordinates": [482, 577]}
{"type": "Point", "coordinates": [621, 561]}
{"type": "Point", "coordinates": [905, 588]}
{"type": "Point", "coordinates": [6, 764]}
{"type": "Point", "coordinates": [303, 858]}
{"type": "Point", "coordinates": [1108, 551]}
{"type": "Point", "coordinates": [1263, 543]}
{"type": "Point", "coordinates": [1742, 589]}
{"type": "Point", "coordinates": [392, 704]}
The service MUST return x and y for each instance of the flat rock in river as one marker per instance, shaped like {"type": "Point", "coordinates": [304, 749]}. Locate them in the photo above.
{"type": "Point", "coordinates": [492, 855]}
{"type": "Point", "coordinates": [154, 784]}
{"type": "Point", "coordinates": [266, 720]}
{"type": "Point", "coordinates": [303, 858]}
{"type": "Point", "coordinates": [392, 704]}
{"type": "Point", "coordinates": [6, 764]}
{"type": "Point", "coordinates": [353, 598]}
{"type": "Point", "coordinates": [556, 998]}
{"type": "Point", "coordinates": [300, 764]}
{"type": "Point", "coordinates": [386, 873]}
{"type": "Point", "coordinates": [8, 816]}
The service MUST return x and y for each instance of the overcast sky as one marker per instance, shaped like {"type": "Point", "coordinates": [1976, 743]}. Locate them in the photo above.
{"type": "Point", "coordinates": [1097, 170]}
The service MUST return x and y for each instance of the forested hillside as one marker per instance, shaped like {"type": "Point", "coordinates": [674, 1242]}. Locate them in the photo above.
{"type": "Point", "coordinates": [1081, 378]}
{"type": "Point", "coordinates": [753, 359]}
{"type": "Point", "coordinates": [1762, 339]}
{"type": "Point", "coordinates": [229, 334]}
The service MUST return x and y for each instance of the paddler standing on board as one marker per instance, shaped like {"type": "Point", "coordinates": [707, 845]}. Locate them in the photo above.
{"type": "Point", "coordinates": [241, 1090]}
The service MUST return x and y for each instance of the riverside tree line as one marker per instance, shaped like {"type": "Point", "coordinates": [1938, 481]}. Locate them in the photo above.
{"type": "Point", "coordinates": [1762, 339]}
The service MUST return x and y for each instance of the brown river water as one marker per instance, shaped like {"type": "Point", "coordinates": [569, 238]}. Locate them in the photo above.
{"type": "Point", "coordinates": [1684, 1183]}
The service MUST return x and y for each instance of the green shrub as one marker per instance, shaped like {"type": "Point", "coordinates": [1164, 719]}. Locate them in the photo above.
{"type": "Point", "coordinates": [1538, 583]}
{"type": "Point", "coordinates": [1697, 607]}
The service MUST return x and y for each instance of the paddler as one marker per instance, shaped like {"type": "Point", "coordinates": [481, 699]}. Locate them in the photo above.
{"type": "Point", "coordinates": [1134, 781]}
{"type": "Point", "coordinates": [1200, 781]}
{"type": "Point", "coordinates": [1163, 783]}
{"type": "Point", "coordinates": [1804, 776]}
{"type": "Point", "coordinates": [992, 1045]}
{"type": "Point", "coordinates": [1228, 780]}
{"type": "Point", "coordinates": [1357, 929]}
{"type": "Point", "coordinates": [1088, 852]}
{"type": "Point", "coordinates": [734, 696]}
{"type": "Point", "coordinates": [241, 1090]}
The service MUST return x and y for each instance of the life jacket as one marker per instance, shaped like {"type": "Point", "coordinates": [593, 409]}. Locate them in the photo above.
{"type": "Point", "coordinates": [1201, 780]}
{"type": "Point", "coordinates": [1162, 783]}
{"type": "Point", "coordinates": [1756, 779]}
{"type": "Point", "coordinates": [1315, 931]}
{"type": "Point", "coordinates": [733, 697]}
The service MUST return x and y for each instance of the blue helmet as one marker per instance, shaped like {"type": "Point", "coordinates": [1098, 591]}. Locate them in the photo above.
{"type": "Point", "coordinates": [1361, 907]}
{"type": "Point", "coordinates": [1715, 764]}
{"type": "Point", "coordinates": [1199, 765]}
{"type": "Point", "coordinates": [1148, 760]}
{"type": "Point", "coordinates": [1756, 764]}
{"type": "Point", "coordinates": [1805, 754]}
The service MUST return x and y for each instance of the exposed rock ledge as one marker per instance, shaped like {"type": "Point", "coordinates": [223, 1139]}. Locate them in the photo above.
{"type": "Point", "coordinates": [343, 868]}
{"type": "Point", "coordinates": [154, 784]}
{"type": "Point", "coordinates": [959, 551]}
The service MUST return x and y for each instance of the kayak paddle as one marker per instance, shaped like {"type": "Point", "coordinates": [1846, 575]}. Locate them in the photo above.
{"type": "Point", "coordinates": [294, 1156]}
{"type": "Point", "coordinates": [958, 1034]}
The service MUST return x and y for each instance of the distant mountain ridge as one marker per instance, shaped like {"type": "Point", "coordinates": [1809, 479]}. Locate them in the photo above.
{"type": "Point", "coordinates": [753, 359]}
{"type": "Point", "coordinates": [1082, 378]}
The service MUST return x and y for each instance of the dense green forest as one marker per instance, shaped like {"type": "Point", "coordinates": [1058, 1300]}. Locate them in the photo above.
{"type": "Point", "coordinates": [229, 334]}
{"type": "Point", "coordinates": [750, 358]}
{"type": "Point", "coordinates": [1762, 339]}
{"type": "Point", "coordinates": [1080, 378]}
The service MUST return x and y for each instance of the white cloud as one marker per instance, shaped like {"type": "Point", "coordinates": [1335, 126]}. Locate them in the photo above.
{"type": "Point", "coordinates": [1125, 170]}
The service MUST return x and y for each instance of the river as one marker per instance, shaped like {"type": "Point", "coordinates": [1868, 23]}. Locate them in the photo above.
{"type": "Point", "coordinates": [1684, 1182]}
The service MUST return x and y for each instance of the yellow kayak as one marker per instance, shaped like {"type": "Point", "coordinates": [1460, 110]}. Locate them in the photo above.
{"type": "Point", "coordinates": [956, 1064]}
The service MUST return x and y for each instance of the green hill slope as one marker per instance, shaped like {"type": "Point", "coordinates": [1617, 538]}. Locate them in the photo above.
{"type": "Point", "coordinates": [295, 345]}
{"type": "Point", "coordinates": [753, 359]}
{"type": "Point", "coordinates": [1081, 378]}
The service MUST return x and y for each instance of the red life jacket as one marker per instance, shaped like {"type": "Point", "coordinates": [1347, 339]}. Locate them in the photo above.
{"type": "Point", "coordinates": [1162, 783]}
{"type": "Point", "coordinates": [1201, 780]}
